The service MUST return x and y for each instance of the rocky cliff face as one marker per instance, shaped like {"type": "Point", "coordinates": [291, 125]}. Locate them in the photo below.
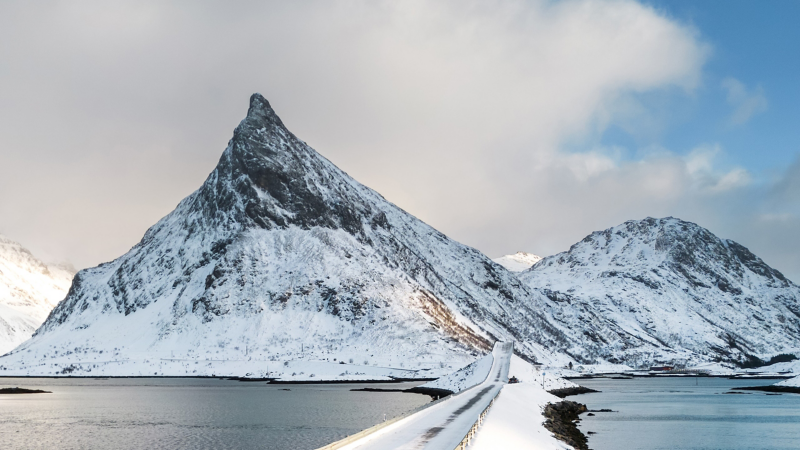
{"type": "Point", "coordinates": [282, 256]}
{"type": "Point", "coordinates": [29, 289]}
{"type": "Point", "coordinates": [665, 288]}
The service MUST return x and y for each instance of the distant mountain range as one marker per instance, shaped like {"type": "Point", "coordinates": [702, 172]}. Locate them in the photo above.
{"type": "Point", "coordinates": [29, 289]}
{"type": "Point", "coordinates": [281, 258]}
{"type": "Point", "coordinates": [518, 261]}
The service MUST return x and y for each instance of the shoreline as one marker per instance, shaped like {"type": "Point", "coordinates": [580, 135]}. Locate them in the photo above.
{"type": "Point", "coordinates": [394, 380]}
{"type": "Point", "coordinates": [627, 376]}
{"type": "Point", "coordinates": [19, 390]}
{"type": "Point", "coordinates": [243, 379]}
{"type": "Point", "coordinates": [433, 393]}
{"type": "Point", "coordinates": [562, 421]}
{"type": "Point", "coordinates": [770, 388]}
{"type": "Point", "coordinates": [566, 392]}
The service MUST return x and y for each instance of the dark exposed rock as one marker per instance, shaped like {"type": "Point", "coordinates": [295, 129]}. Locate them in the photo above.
{"type": "Point", "coordinates": [771, 388]}
{"type": "Point", "coordinates": [19, 390]}
{"type": "Point", "coordinates": [566, 392]}
{"type": "Point", "coordinates": [562, 420]}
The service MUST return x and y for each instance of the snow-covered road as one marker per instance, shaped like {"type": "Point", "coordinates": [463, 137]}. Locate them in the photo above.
{"type": "Point", "coordinates": [444, 425]}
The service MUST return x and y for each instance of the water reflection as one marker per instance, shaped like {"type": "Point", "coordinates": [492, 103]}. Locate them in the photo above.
{"type": "Point", "coordinates": [168, 413]}
{"type": "Point", "coordinates": [688, 413]}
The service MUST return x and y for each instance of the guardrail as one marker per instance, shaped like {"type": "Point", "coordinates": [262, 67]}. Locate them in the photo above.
{"type": "Point", "coordinates": [464, 442]}
{"type": "Point", "coordinates": [474, 429]}
{"type": "Point", "coordinates": [354, 437]}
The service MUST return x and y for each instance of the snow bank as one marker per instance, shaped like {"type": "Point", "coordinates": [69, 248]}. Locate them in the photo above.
{"type": "Point", "coordinates": [791, 366]}
{"type": "Point", "coordinates": [515, 421]}
{"type": "Point", "coordinates": [464, 378]}
{"type": "Point", "coordinates": [528, 373]}
{"type": "Point", "coordinates": [791, 382]}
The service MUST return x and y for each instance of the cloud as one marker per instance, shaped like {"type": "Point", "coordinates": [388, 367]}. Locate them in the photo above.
{"type": "Point", "coordinates": [745, 103]}
{"type": "Point", "coordinates": [481, 118]}
{"type": "Point", "coordinates": [708, 177]}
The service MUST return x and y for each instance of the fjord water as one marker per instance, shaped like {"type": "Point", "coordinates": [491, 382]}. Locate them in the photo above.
{"type": "Point", "coordinates": [170, 413]}
{"type": "Point", "coordinates": [688, 413]}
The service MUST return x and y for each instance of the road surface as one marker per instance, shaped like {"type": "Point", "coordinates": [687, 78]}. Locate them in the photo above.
{"type": "Point", "coordinates": [444, 425]}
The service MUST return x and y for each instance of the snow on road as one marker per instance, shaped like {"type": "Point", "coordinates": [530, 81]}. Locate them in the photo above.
{"type": "Point", "coordinates": [466, 377]}
{"type": "Point", "coordinates": [444, 425]}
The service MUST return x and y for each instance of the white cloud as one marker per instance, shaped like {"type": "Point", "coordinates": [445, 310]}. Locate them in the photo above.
{"type": "Point", "coordinates": [746, 103]}
{"type": "Point", "coordinates": [459, 111]}
{"type": "Point", "coordinates": [706, 174]}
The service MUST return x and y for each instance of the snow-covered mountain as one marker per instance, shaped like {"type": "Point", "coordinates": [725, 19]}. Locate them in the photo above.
{"type": "Point", "coordinates": [29, 289]}
{"type": "Point", "coordinates": [518, 261]}
{"type": "Point", "coordinates": [664, 288]}
{"type": "Point", "coordinates": [280, 256]}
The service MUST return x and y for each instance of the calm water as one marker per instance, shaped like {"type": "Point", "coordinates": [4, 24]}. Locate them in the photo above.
{"type": "Point", "coordinates": [189, 413]}
{"type": "Point", "coordinates": [674, 413]}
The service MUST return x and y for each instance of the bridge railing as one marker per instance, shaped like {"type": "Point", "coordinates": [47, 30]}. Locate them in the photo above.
{"type": "Point", "coordinates": [474, 428]}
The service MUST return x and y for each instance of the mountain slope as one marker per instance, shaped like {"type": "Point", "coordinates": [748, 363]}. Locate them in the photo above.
{"type": "Point", "coordinates": [518, 261]}
{"type": "Point", "coordinates": [281, 256]}
{"type": "Point", "coordinates": [29, 289]}
{"type": "Point", "coordinates": [664, 288]}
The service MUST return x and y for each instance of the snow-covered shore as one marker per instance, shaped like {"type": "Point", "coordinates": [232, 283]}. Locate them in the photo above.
{"type": "Point", "coordinates": [791, 382]}
{"type": "Point", "coordinates": [516, 420]}
{"type": "Point", "coordinates": [293, 370]}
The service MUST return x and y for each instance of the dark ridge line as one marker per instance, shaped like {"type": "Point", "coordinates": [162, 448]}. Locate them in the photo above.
{"type": "Point", "coordinates": [274, 381]}
{"type": "Point", "coordinates": [770, 388]}
{"type": "Point", "coordinates": [566, 392]}
{"type": "Point", "coordinates": [19, 390]}
{"type": "Point", "coordinates": [433, 393]}
{"type": "Point", "coordinates": [393, 380]}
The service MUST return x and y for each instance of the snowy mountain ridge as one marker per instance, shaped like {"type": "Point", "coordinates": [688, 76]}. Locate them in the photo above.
{"type": "Point", "coordinates": [282, 265]}
{"type": "Point", "coordinates": [664, 289]}
{"type": "Point", "coordinates": [279, 257]}
{"type": "Point", "coordinates": [518, 261]}
{"type": "Point", "coordinates": [29, 289]}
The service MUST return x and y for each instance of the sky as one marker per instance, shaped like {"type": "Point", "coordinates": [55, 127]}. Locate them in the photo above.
{"type": "Point", "coordinates": [508, 125]}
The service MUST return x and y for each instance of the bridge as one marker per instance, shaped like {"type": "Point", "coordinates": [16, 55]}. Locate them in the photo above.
{"type": "Point", "coordinates": [447, 424]}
